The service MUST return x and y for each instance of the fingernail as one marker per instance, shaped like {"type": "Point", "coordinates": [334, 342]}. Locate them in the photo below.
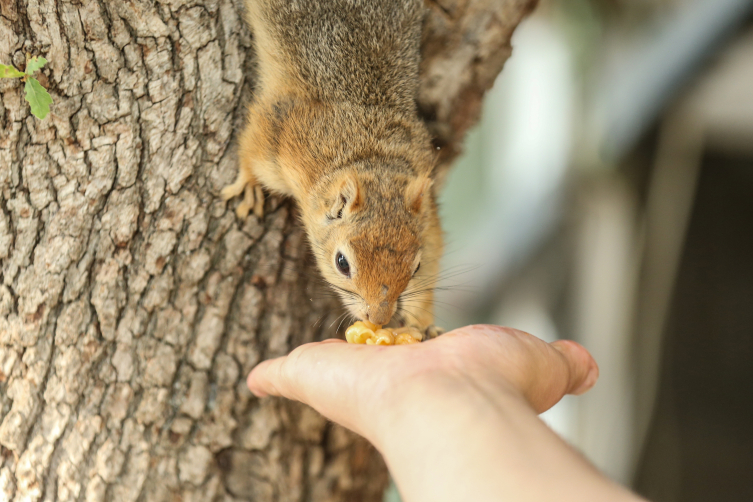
{"type": "Point", "coordinates": [590, 380]}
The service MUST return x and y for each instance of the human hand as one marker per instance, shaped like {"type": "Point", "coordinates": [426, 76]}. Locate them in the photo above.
{"type": "Point", "coordinates": [368, 388]}
{"type": "Point", "coordinates": [455, 417]}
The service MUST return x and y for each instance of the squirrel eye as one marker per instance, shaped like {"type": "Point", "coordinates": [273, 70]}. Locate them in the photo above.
{"type": "Point", "coordinates": [342, 264]}
{"type": "Point", "coordinates": [416, 271]}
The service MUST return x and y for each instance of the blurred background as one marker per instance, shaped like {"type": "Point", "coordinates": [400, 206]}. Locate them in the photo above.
{"type": "Point", "coordinates": [607, 197]}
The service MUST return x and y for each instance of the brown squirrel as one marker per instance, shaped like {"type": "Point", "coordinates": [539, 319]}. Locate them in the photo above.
{"type": "Point", "coordinates": [334, 124]}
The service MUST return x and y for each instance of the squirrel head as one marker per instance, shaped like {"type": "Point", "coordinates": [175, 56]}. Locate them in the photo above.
{"type": "Point", "coordinates": [367, 235]}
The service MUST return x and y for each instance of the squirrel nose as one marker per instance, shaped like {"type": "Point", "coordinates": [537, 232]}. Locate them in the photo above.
{"type": "Point", "coordinates": [380, 315]}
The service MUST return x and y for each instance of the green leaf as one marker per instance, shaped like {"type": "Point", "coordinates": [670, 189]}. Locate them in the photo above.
{"type": "Point", "coordinates": [38, 97]}
{"type": "Point", "coordinates": [9, 72]}
{"type": "Point", "coordinates": [34, 64]}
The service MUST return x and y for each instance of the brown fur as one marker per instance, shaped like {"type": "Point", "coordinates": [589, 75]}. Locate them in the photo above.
{"type": "Point", "coordinates": [334, 125]}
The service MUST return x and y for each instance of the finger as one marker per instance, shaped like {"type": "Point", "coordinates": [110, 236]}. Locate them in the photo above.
{"type": "Point", "coordinates": [332, 340]}
{"type": "Point", "coordinates": [582, 368]}
{"type": "Point", "coordinates": [281, 376]}
{"type": "Point", "coordinates": [259, 380]}
{"type": "Point", "coordinates": [328, 376]}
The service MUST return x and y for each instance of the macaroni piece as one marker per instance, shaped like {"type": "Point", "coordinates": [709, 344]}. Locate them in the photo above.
{"type": "Point", "coordinates": [364, 332]}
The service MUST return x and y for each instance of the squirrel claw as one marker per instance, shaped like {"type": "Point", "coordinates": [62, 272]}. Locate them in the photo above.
{"type": "Point", "coordinates": [432, 332]}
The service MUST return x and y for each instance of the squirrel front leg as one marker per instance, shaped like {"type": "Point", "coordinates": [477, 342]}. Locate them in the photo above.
{"type": "Point", "coordinates": [249, 153]}
{"type": "Point", "coordinates": [418, 307]}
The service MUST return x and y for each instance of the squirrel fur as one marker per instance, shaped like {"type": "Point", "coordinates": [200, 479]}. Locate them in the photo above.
{"type": "Point", "coordinates": [334, 124]}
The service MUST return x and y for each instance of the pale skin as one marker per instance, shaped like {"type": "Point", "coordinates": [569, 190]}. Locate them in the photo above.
{"type": "Point", "coordinates": [455, 417]}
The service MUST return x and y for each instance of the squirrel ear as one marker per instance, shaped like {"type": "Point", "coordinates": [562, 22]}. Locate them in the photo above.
{"type": "Point", "coordinates": [415, 191]}
{"type": "Point", "coordinates": [349, 196]}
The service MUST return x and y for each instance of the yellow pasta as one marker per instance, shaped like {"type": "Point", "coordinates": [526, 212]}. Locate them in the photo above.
{"type": "Point", "coordinates": [364, 332]}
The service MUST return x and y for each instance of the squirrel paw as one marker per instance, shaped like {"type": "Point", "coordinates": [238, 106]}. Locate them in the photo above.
{"type": "Point", "coordinates": [253, 198]}
{"type": "Point", "coordinates": [433, 332]}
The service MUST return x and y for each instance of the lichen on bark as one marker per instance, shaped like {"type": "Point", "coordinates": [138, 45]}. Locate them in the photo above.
{"type": "Point", "coordinates": [132, 301]}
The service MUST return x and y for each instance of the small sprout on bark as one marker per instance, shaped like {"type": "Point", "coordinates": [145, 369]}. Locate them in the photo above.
{"type": "Point", "coordinates": [37, 96]}
{"type": "Point", "coordinates": [34, 64]}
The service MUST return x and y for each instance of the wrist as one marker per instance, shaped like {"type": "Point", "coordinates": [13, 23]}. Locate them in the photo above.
{"type": "Point", "coordinates": [436, 434]}
{"type": "Point", "coordinates": [449, 439]}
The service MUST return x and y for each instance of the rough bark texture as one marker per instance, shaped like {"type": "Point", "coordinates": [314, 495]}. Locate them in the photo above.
{"type": "Point", "coordinates": [132, 301]}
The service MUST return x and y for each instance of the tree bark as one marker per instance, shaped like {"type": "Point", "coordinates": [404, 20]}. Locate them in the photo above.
{"type": "Point", "coordinates": [132, 301]}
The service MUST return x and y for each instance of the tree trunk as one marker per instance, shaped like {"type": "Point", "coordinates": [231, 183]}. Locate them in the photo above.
{"type": "Point", "coordinates": [132, 301]}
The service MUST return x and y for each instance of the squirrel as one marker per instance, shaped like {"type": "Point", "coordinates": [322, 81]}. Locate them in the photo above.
{"type": "Point", "coordinates": [334, 124]}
